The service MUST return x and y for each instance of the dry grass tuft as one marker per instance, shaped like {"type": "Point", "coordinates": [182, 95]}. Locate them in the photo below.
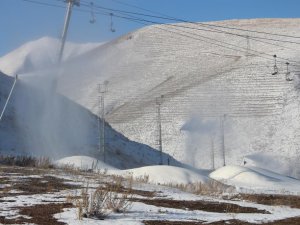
{"type": "Point", "coordinates": [211, 188]}
{"type": "Point", "coordinates": [103, 201]}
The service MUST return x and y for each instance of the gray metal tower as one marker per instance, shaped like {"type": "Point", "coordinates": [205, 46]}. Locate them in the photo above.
{"type": "Point", "coordinates": [158, 105]}
{"type": "Point", "coordinates": [102, 89]}
{"type": "Point", "coordinates": [70, 3]}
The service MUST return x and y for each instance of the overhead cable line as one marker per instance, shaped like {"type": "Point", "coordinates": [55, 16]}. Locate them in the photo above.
{"type": "Point", "coordinates": [227, 27]}
{"type": "Point", "coordinates": [191, 22]}
{"type": "Point", "coordinates": [143, 21]}
{"type": "Point", "coordinates": [44, 3]}
{"type": "Point", "coordinates": [218, 31]}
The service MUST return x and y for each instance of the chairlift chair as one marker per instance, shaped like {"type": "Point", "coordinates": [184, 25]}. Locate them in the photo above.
{"type": "Point", "coordinates": [112, 29]}
{"type": "Point", "coordinates": [288, 73]}
{"type": "Point", "coordinates": [275, 66]}
{"type": "Point", "coordinates": [93, 19]}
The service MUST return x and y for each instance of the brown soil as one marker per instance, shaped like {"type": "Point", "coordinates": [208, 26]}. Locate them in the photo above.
{"type": "Point", "coordinates": [122, 189]}
{"type": "Point", "coordinates": [40, 214]}
{"type": "Point", "coordinates": [201, 205]}
{"type": "Point", "coordinates": [30, 186]}
{"type": "Point", "coordinates": [286, 200]}
{"type": "Point", "coordinates": [22, 171]}
{"type": "Point", "coordinates": [289, 221]}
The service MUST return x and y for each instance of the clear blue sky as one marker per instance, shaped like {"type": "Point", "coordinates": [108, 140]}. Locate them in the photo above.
{"type": "Point", "coordinates": [22, 21]}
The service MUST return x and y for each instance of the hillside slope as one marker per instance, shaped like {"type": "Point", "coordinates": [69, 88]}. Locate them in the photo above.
{"type": "Point", "coordinates": [40, 122]}
{"type": "Point", "coordinates": [198, 78]}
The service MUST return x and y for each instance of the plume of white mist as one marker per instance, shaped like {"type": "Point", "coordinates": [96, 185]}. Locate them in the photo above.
{"type": "Point", "coordinates": [52, 125]}
{"type": "Point", "coordinates": [201, 133]}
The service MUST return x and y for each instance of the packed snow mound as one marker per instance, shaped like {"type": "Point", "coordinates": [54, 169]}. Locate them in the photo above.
{"type": "Point", "coordinates": [166, 175]}
{"type": "Point", "coordinates": [276, 163]}
{"type": "Point", "coordinates": [83, 163]}
{"type": "Point", "coordinates": [255, 178]}
{"type": "Point", "coordinates": [40, 54]}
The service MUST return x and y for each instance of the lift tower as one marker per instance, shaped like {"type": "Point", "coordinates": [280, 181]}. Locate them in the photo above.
{"type": "Point", "coordinates": [70, 3]}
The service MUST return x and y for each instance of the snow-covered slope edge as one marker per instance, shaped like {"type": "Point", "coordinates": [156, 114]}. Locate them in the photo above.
{"type": "Point", "coordinates": [41, 122]}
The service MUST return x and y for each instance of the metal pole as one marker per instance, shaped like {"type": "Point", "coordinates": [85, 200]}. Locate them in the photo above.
{"type": "Point", "coordinates": [212, 154]}
{"type": "Point", "coordinates": [222, 121]}
{"type": "Point", "coordinates": [102, 90]}
{"type": "Point", "coordinates": [66, 26]}
{"type": "Point", "coordinates": [103, 127]}
{"type": "Point", "coordinates": [158, 103]}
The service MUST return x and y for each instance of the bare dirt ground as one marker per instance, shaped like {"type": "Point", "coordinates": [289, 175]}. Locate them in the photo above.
{"type": "Point", "coordinates": [20, 181]}
{"type": "Point", "coordinates": [290, 221]}
{"type": "Point", "coordinates": [201, 205]}
{"type": "Point", "coordinates": [39, 214]}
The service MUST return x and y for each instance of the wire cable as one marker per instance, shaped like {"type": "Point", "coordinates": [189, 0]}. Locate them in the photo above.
{"type": "Point", "coordinates": [155, 22]}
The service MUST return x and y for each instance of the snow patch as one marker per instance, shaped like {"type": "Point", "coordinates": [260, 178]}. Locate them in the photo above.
{"type": "Point", "coordinates": [166, 175]}
{"type": "Point", "coordinates": [83, 163]}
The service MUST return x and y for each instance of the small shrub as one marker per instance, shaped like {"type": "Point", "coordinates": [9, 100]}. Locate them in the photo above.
{"type": "Point", "coordinates": [103, 201]}
{"type": "Point", "coordinates": [212, 187]}
{"type": "Point", "coordinates": [26, 161]}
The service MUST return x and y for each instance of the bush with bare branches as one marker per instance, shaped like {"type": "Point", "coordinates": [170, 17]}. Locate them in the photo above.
{"type": "Point", "coordinates": [102, 201]}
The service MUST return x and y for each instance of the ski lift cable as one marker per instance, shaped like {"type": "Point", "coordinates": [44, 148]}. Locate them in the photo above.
{"type": "Point", "coordinates": [217, 30]}
{"type": "Point", "coordinates": [166, 17]}
{"type": "Point", "coordinates": [105, 13]}
{"type": "Point", "coordinates": [179, 20]}
{"type": "Point", "coordinates": [44, 3]}
{"type": "Point", "coordinates": [162, 14]}
{"type": "Point", "coordinates": [8, 98]}
{"type": "Point", "coordinates": [172, 25]}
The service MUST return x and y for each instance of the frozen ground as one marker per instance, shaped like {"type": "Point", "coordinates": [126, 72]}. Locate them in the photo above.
{"type": "Point", "coordinates": [39, 196]}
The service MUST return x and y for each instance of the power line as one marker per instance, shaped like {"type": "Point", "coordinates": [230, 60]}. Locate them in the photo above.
{"type": "Point", "coordinates": [170, 17]}
{"type": "Point", "coordinates": [44, 3]}
{"type": "Point", "coordinates": [191, 22]}
{"type": "Point", "coordinates": [189, 33]}
{"type": "Point", "coordinates": [142, 21]}
{"type": "Point", "coordinates": [176, 25]}
{"type": "Point", "coordinates": [181, 20]}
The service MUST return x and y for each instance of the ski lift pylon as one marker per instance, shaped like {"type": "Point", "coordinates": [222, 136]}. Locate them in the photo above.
{"type": "Point", "coordinates": [275, 66]}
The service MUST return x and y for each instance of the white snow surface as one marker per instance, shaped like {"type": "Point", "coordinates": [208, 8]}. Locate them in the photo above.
{"type": "Point", "coordinates": [139, 211]}
{"type": "Point", "coordinates": [276, 163]}
{"type": "Point", "coordinates": [254, 178]}
{"type": "Point", "coordinates": [83, 163]}
{"type": "Point", "coordinates": [197, 79]}
{"type": "Point", "coordinates": [165, 175]}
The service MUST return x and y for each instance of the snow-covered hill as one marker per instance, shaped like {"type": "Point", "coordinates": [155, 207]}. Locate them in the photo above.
{"type": "Point", "coordinates": [40, 122]}
{"type": "Point", "coordinates": [198, 78]}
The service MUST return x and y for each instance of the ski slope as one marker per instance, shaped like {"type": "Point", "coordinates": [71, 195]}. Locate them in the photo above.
{"type": "Point", "coordinates": [198, 78]}
{"type": "Point", "coordinates": [255, 179]}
